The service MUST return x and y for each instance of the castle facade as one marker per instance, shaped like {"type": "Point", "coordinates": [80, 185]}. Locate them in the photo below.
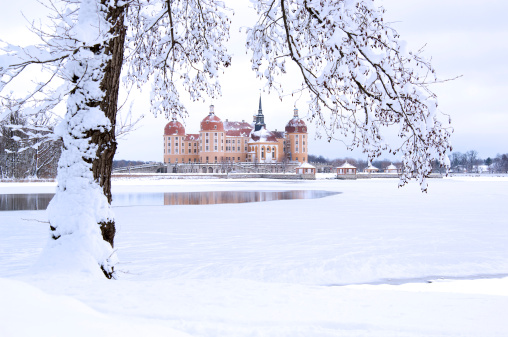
{"type": "Point", "coordinates": [236, 142]}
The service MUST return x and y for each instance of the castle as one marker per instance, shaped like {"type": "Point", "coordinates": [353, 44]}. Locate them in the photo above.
{"type": "Point", "coordinates": [233, 143]}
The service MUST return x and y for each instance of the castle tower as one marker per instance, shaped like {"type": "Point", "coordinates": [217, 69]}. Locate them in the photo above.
{"type": "Point", "coordinates": [212, 138]}
{"type": "Point", "coordinates": [296, 139]}
{"type": "Point", "coordinates": [260, 118]}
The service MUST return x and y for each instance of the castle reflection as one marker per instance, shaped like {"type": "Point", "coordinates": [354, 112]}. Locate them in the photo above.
{"type": "Point", "coordinates": [238, 197]}
{"type": "Point", "coordinates": [21, 202]}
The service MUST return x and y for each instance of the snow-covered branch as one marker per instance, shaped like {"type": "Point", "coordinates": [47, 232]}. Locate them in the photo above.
{"type": "Point", "coordinates": [361, 81]}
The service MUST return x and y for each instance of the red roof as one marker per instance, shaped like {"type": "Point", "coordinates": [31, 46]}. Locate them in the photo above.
{"type": "Point", "coordinates": [174, 128]}
{"type": "Point", "coordinates": [279, 134]}
{"type": "Point", "coordinates": [263, 135]}
{"type": "Point", "coordinates": [296, 125]}
{"type": "Point", "coordinates": [212, 123]}
{"type": "Point", "coordinates": [237, 129]}
{"type": "Point", "coordinates": [191, 137]}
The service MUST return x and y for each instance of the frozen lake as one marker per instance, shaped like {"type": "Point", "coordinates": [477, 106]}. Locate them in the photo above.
{"type": "Point", "coordinates": [355, 263]}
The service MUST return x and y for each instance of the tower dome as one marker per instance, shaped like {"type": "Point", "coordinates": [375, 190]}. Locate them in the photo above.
{"type": "Point", "coordinates": [174, 128]}
{"type": "Point", "coordinates": [212, 122]}
{"type": "Point", "coordinates": [296, 124]}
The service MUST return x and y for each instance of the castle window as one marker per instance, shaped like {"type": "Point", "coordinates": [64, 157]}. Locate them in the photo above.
{"type": "Point", "coordinates": [215, 159]}
{"type": "Point", "coordinates": [216, 134]}
{"type": "Point", "coordinates": [207, 134]}
{"type": "Point", "coordinates": [176, 138]}
{"type": "Point", "coordinates": [238, 158]}
{"type": "Point", "coordinates": [215, 127]}
{"type": "Point", "coordinates": [190, 151]}
{"type": "Point", "coordinates": [207, 148]}
{"type": "Point", "coordinates": [207, 160]}
{"type": "Point", "coordinates": [169, 160]}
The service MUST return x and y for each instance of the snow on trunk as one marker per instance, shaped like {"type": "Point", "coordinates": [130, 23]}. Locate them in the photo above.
{"type": "Point", "coordinates": [80, 206]}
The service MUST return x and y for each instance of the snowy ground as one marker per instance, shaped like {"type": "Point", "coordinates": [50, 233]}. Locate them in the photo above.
{"type": "Point", "coordinates": [353, 264]}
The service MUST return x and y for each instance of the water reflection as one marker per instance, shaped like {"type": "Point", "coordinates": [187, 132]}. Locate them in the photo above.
{"type": "Point", "coordinates": [25, 202]}
{"type": "Point", "coordinates": [238, 197]}
{"type": "Point", "coordinates": [18, 202]}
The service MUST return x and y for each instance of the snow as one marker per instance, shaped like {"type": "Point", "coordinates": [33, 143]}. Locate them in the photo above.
{"type": "Point", "coordinates": [346, 165]}
{"type": "Point", "coordinates": [353, 264]}
{"type": "Point", "coordinates": [306, 165]}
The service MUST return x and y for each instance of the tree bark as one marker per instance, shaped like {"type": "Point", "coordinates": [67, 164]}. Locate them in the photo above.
{"type": "Point", "coordinates": [106, 141]}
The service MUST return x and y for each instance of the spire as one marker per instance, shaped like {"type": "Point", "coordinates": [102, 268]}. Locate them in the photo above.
{"type": "Point", "coordinates": [295, 113]}
{"type": "Point", "coordinates": [174, 117]}
{"type": "Point", "coordinates": [212, 110]}
{"type": "Point", "coordinates": [260, 119]}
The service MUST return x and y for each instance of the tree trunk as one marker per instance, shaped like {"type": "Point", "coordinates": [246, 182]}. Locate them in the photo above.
{"type": "Point", "coordinates": [106, 140]}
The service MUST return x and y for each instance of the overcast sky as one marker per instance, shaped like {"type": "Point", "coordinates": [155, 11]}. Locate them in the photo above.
{"type": "Point", "coordinates": [463, 37]}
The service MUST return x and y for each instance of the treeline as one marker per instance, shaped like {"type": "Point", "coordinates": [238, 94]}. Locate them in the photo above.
{"type": "Point", "coordinates": [470, 162]}
{"type": "Point", "coordinates": [27, 151]}
{"type": "Point", "coordinates": [459, 163]}
{"type": "Point", "coordinates": [126, 163]}
{"type": "Point", "coordinates": [360, 164]}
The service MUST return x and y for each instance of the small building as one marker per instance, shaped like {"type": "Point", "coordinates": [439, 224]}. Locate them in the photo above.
{"type": "Point", "coordinates": [391, 169]}
{"type": "Point", "coordinates": [346, 169]}
{"type": "Point", "coordinates": [306, 169]}
{"type": "Point", "coordinates": [371, 169]}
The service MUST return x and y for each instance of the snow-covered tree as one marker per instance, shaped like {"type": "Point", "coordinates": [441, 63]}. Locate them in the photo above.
{"type": "Point", "coordinates": [359, 78]}
{"type": "Point", "coordinates": [83, 51]}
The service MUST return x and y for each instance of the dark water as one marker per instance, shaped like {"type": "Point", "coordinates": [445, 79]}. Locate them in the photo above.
{"type": "Point", "coordinates": [23, 202]}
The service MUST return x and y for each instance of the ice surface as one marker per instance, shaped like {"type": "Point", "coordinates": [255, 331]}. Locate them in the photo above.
{"type": "Point", "coordinates": [272, 269]}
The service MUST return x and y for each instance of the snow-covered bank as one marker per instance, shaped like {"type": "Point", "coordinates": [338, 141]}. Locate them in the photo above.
{"type": "Point", "coordinates": [266, 269]}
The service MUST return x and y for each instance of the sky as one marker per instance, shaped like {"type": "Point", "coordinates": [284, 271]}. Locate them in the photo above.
{"type": "Point", "coordinates": [462, 38]}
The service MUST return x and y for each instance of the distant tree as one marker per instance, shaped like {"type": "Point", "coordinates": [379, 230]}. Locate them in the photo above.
{"type": "Point", "coordinates": [502, 163]}
{"type": "Point", "coordinates": [471, 160]}
{"type": "Point", "coordinates": [488, 161]}
{"type": "Point", "coordinates": [317, 159]}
